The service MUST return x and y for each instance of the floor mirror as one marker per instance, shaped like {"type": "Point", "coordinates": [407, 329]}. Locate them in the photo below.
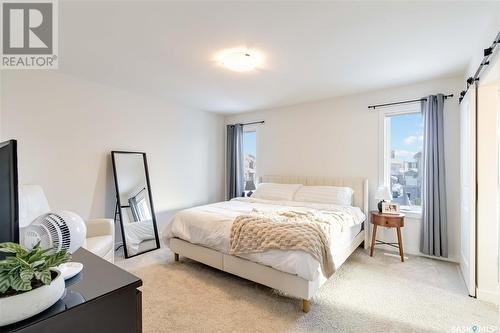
{"type": "Point", "coordinates": [134, 208]}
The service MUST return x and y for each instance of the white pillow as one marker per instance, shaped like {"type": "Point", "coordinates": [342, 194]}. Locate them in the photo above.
{"type": "Point", "coordinates": [274, 191]}
{"type": "Point", "coordinates": [325, 194]}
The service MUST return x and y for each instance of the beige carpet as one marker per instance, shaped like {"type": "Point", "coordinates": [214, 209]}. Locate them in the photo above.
{"type": "Point", "coordinates": [377, 294]}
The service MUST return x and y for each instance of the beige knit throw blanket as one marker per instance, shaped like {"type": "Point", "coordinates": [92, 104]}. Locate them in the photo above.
{"type": "Point", "coordinates": [308, 231]}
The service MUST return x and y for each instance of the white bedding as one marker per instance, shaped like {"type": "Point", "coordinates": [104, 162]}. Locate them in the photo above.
{"type": "Point", "coordinates": [136, 233]}
{"type": "Point", "coordinates": [210, 226]}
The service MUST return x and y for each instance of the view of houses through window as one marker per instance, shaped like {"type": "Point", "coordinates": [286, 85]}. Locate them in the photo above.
{"type": "Point", "coordinates": [249, 157]}
{"type": "Point", "coordinates": [405, 141]}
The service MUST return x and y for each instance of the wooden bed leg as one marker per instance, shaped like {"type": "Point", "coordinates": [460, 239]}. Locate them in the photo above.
{"type": "Point", "coordinates": [306, 305]}
{"type": "Point", "coordinates": [176, 256]}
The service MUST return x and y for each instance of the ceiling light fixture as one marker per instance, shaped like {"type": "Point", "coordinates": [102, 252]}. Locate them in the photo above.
{"type": "Point", "coordinates": [240, 59]}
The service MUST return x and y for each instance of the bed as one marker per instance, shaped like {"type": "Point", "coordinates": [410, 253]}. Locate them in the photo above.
{"type": "Point", "coordinates": [140, 236]}
{"type": "Point", "coordinates": [202, 234]}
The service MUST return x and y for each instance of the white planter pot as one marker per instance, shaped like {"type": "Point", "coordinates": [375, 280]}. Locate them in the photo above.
{"type": "Point", "coordinates": [18, 307]}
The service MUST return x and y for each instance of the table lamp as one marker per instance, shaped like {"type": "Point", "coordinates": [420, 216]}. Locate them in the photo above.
{"type": "Point", "coordinates": [250, 186]}
{"type": "Point", "coordinates": [382, 194]}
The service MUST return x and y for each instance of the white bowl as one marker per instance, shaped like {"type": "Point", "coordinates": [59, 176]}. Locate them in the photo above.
{"type": "Point", "coordinates": [70, 269]}
{"type": "Point", "coordinates": [19, 307]}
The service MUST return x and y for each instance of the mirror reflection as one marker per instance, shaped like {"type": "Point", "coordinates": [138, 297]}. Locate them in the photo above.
{"type": "Point", "coordinates": [134, 203]}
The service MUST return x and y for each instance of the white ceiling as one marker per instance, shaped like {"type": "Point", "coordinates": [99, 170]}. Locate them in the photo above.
{"type": "Point", "coordinates": [313, 50]}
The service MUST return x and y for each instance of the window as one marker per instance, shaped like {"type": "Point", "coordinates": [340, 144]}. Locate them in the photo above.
{"type": "Point", "coordinates": [139, 206]}
{"type": "Point", "coordinates": [143, 207]}
{"type": "Point", "coordinates": [403, 142]}
{"type": "Point", "coordinates": [249, 157]}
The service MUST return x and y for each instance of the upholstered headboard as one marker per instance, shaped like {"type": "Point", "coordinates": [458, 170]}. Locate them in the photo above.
{"type": "Point", "coordinates": [358, 184]}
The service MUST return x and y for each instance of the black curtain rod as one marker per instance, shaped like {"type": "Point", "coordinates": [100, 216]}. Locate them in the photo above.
{"type": "Point", "coordinates": [488, 54]}
{"type": "Point", "coordinates": [404, 102]}
{"type": "Point", "coordinates": [254, 122]}
{"type": "Point", "coordinates": [143, 189]}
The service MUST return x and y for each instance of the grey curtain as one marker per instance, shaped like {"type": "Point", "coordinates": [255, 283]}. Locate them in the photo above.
{"type": "Point", "coordinates": [434, 240]}
{"type": "Point", "coordinates": [234, 160]}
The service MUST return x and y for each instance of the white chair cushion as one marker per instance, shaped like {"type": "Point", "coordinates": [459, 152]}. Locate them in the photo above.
{"type": "Point", "coordinates": [99, 245]}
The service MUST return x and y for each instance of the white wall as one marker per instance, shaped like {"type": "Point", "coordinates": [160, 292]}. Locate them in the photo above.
{"type": "Point", "coordinates": [490, 27]}
{"type": "Point", "coordinates": [67, 127]}
{"type": "Point", "coordinates": [339, 137]}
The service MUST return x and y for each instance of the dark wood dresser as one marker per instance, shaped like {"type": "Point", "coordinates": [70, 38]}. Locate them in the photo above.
{"type": "Point", "coordinates": [101, 298]}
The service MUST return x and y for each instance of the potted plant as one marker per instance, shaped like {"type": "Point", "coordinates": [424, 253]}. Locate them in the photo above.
{"type": "Point", "coordinates": [29, 281]}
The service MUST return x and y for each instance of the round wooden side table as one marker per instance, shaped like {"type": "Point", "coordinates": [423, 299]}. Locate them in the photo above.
{"type": "Point", "coordinates": [389, 221]}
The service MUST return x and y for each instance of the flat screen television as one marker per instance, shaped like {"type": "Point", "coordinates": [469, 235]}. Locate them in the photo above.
{"type": "Point", "coordinates": [9, 202]}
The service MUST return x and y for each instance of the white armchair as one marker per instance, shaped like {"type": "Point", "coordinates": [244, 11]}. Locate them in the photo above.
{"type": "Point", "coordinates": [100, 238]}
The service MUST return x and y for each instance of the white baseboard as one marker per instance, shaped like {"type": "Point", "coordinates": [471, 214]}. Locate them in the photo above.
{"type": "Point", "coordinates": [487, 296]}
{"type": "Point", "coordinates": [451, 259]}
{"type": "Point", "coordinates": [388, 248]}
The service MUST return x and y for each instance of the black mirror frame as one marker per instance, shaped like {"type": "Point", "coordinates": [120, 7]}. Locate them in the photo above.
{"type": "Point", "coordinates": [148, 184]}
